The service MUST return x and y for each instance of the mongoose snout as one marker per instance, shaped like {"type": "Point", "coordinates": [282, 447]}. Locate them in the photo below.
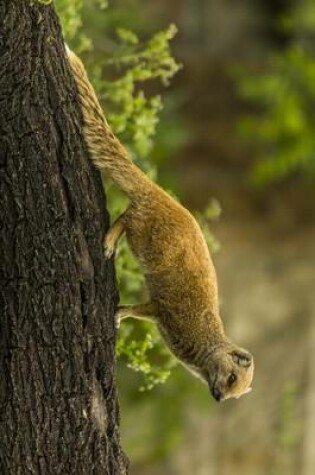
{"type": "Point", "coordinates": [216, 393]}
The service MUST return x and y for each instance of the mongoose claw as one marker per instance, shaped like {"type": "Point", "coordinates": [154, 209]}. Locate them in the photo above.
{"type": "Point", "coordinates": [109, 247]}
{"type": "Point", "coordinates": [117, 319]}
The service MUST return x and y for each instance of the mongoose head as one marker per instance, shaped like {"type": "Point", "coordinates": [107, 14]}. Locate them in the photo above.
{"type": "Point", "coordinates": [230, 373]}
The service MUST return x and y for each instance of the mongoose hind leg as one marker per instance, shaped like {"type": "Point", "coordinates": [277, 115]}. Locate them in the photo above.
{"type": "Point", "coordinates": [145, 311]}
{"type": "Point", "coordinates": [114, 234]}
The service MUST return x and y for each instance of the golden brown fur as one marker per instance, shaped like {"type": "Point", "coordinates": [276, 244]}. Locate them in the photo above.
{"type": "Point", "coordinates": [168, 243]}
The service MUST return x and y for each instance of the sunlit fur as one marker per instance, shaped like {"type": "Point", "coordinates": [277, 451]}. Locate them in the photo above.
{"type": "Point", "coordinates": [170, 247]}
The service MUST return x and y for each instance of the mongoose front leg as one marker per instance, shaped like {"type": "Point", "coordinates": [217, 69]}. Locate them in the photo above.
{"type": "Point", "coordinates": [112, 237]}
{"type": "Point", "coordinates": [145, 311]}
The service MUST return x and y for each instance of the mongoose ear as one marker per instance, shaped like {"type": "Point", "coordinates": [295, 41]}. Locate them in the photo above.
{"type": "Point", "coordinates": [242, 358]}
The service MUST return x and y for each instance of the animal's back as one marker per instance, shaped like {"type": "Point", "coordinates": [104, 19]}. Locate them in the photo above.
{"type": "Point", "coordinates": [173, 253]}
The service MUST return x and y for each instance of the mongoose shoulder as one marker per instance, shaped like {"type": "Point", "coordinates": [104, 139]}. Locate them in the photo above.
{"type": "Point", "coordinates": [170, 247]}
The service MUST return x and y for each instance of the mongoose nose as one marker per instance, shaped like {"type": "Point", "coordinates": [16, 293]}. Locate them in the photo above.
{"type": "Point", "coordinates": [217, 394]}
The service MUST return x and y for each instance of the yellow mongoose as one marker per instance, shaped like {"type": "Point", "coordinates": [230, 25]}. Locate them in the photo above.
{"type": "Point", "coordinates": [168, 243]}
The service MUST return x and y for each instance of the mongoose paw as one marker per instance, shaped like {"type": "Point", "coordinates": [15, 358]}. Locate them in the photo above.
{"type": "Point", "coordinates": [122, 312]}
{"type": "Point", "coordinates": [117, 320]}
{"type": "Point", "coordinates": [109, 246]}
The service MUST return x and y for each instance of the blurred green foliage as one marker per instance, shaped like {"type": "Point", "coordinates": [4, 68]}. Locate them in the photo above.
{"type": "Point", "coordinates": [288, 423]}
{"type": "Point", "coordinates": [137, 351]}
{"type": "Point", "coordinates": [132, 114]}
{"type": "Point", "coordinates": [288, 429]}
{"type": "Point", "coordinates": [283, 126]}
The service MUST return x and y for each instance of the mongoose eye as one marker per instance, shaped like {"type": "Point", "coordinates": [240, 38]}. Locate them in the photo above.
{"type": "Point", "coordinates": [231, 380]}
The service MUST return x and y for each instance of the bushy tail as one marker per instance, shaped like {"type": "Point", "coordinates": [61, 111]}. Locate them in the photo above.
{"type": "Point", "coordinates": [106, 151]}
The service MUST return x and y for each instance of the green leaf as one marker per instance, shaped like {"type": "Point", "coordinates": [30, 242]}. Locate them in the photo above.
{"type": "Point", "coordinates": [127, 36]}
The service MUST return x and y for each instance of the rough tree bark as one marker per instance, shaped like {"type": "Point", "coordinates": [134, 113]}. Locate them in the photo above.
{"type": "Point", "coordinates": [58, 402]}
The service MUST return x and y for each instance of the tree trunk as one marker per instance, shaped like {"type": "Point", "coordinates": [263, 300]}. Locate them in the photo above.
{"type": "Point", "coordinates": [58, 402]}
